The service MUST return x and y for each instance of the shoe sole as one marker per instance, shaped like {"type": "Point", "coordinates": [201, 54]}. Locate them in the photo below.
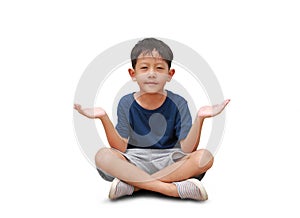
{"type": "Point", "coordinates": [112, 190]}
{"type": "Point", "coordinates": [197, 183]}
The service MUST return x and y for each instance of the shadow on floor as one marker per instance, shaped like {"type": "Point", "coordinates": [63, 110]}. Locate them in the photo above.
{"type": "Point", "coordinates": [144, 194]}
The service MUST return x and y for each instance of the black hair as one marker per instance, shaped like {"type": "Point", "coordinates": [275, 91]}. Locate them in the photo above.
{"type": "Point", "coordinates": [147, 45]}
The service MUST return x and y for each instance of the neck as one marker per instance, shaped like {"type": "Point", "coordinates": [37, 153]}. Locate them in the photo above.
{"type": "Point", "coordinates": [150, 100]}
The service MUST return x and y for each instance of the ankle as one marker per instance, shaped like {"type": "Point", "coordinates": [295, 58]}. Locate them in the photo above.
{"type": "Point", "coordinates": [136, 189]}
{"type": "Point", "coordinates": [173, 190]}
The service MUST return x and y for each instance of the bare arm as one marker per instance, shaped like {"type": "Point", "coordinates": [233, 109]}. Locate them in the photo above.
{"type": "Point", "coordinates": [191, 142]}
{"type": "Point", "coordinates": [113, 137]}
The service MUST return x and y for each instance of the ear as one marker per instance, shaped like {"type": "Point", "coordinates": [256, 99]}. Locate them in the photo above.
{"type": "Point", "coordinates": [132, 74]}
{"type": "Point", "coordinates": [171, 74]}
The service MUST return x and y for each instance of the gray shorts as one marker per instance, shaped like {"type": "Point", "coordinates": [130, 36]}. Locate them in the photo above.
{"type": "Point", "coordinates": [149, 160]}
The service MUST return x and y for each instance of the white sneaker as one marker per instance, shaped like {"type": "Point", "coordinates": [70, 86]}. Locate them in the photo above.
{"type": "Point", "coordinates": [119, 189]}
{"type": "Point", "coordinates": [191, 189]}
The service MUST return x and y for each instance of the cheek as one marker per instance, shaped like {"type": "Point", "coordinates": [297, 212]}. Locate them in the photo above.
{"type": "Point", "coordinates": [140, 76]}
{"type": "Point", "coordinates": [140, 79]}
{"type": "Point", "coordinates": [164, 77]}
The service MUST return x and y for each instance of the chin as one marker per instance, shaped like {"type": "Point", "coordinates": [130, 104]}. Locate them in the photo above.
{"type": "Point", "coordinates": [151, 92]}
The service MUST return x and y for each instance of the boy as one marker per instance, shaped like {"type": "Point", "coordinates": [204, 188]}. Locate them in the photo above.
{"type": "Point", "coordinates": [154, 144]}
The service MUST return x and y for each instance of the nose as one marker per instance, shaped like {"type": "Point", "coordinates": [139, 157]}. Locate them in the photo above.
{"type": "Point", "coordinates": [152, 73]}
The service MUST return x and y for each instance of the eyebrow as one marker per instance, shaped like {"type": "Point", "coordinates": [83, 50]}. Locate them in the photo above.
{"type": "Point", "coordinates": [158, 60]}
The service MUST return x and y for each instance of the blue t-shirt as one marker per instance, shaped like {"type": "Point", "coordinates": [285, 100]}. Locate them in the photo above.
{"type": "Point", "coordinates": [160, 128]}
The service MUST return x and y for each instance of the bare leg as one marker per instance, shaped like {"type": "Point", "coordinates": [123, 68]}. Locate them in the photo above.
{"type": "Point", "coordinates": [192, 165]}
{"type": "Point", "coordinates": [131, 174]}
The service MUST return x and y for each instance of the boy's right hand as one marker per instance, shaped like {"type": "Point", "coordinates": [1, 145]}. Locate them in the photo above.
{"type": "Point", "coordinates": [91, 113]}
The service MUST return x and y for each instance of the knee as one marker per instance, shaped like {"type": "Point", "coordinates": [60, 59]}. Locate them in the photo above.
{"type": "Point", "coordinates": [102, 157]}
{"type": "Point", "coordinates": [204, 158]}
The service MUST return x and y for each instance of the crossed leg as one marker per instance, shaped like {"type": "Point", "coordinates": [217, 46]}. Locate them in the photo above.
{"type": "Point", "coordinates": [192, 165]}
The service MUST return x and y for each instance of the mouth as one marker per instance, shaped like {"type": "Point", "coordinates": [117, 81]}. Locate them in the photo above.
{"type": "Point", "coordinates": [150, 83]}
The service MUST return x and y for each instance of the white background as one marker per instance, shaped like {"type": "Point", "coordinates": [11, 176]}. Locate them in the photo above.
{"type": "Point", "coordinates": [253, 48]}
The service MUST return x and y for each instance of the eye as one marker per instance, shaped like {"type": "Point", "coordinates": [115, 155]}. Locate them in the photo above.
{"type": "Point", "coordinates": [160, 68]}
{"type": "Point", "coordinates": [144, 68]}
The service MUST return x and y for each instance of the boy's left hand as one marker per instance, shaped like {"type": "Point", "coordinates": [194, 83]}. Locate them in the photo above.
{"type": "Point", "coordinates": [211, 111]}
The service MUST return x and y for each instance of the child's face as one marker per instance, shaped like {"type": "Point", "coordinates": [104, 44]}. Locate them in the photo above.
{"type": "Point", "coordinates": [151, 73]}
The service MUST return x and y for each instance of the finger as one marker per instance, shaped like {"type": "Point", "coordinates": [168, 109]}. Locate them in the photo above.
{"type": "Point", "coordinates": [77, 107]}
{"type": "Point", "coordinates": [225, 102]}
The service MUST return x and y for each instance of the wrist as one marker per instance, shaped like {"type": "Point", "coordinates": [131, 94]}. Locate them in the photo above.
{"type": "Point", "coordinates": [102, 117]}
{"type": "Point", "coordinates": [200, 118]}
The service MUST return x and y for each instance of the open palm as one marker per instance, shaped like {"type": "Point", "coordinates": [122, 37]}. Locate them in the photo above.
{"type": "Point", "coordinates": [92, 113]}
{"type": "Point", "coordinates": [211, 111]}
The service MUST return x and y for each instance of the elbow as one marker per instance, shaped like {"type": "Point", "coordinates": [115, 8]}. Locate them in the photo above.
{"type": "Point", "coordinates": [120, 144]}
{"type": "Point", "coordinates": [123, 149]}
{"type": "Point", "coordinates": [186, 148]}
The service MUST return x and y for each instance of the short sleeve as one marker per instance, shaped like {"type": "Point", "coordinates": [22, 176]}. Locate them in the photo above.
{"type": "Point", "coordinates": [183, 121]}
{"type": "Point", "coordinates": [123, 126]}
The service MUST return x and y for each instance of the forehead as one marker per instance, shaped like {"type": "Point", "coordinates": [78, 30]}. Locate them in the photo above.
{"type": "Point", "coordinates": [148, 57]}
